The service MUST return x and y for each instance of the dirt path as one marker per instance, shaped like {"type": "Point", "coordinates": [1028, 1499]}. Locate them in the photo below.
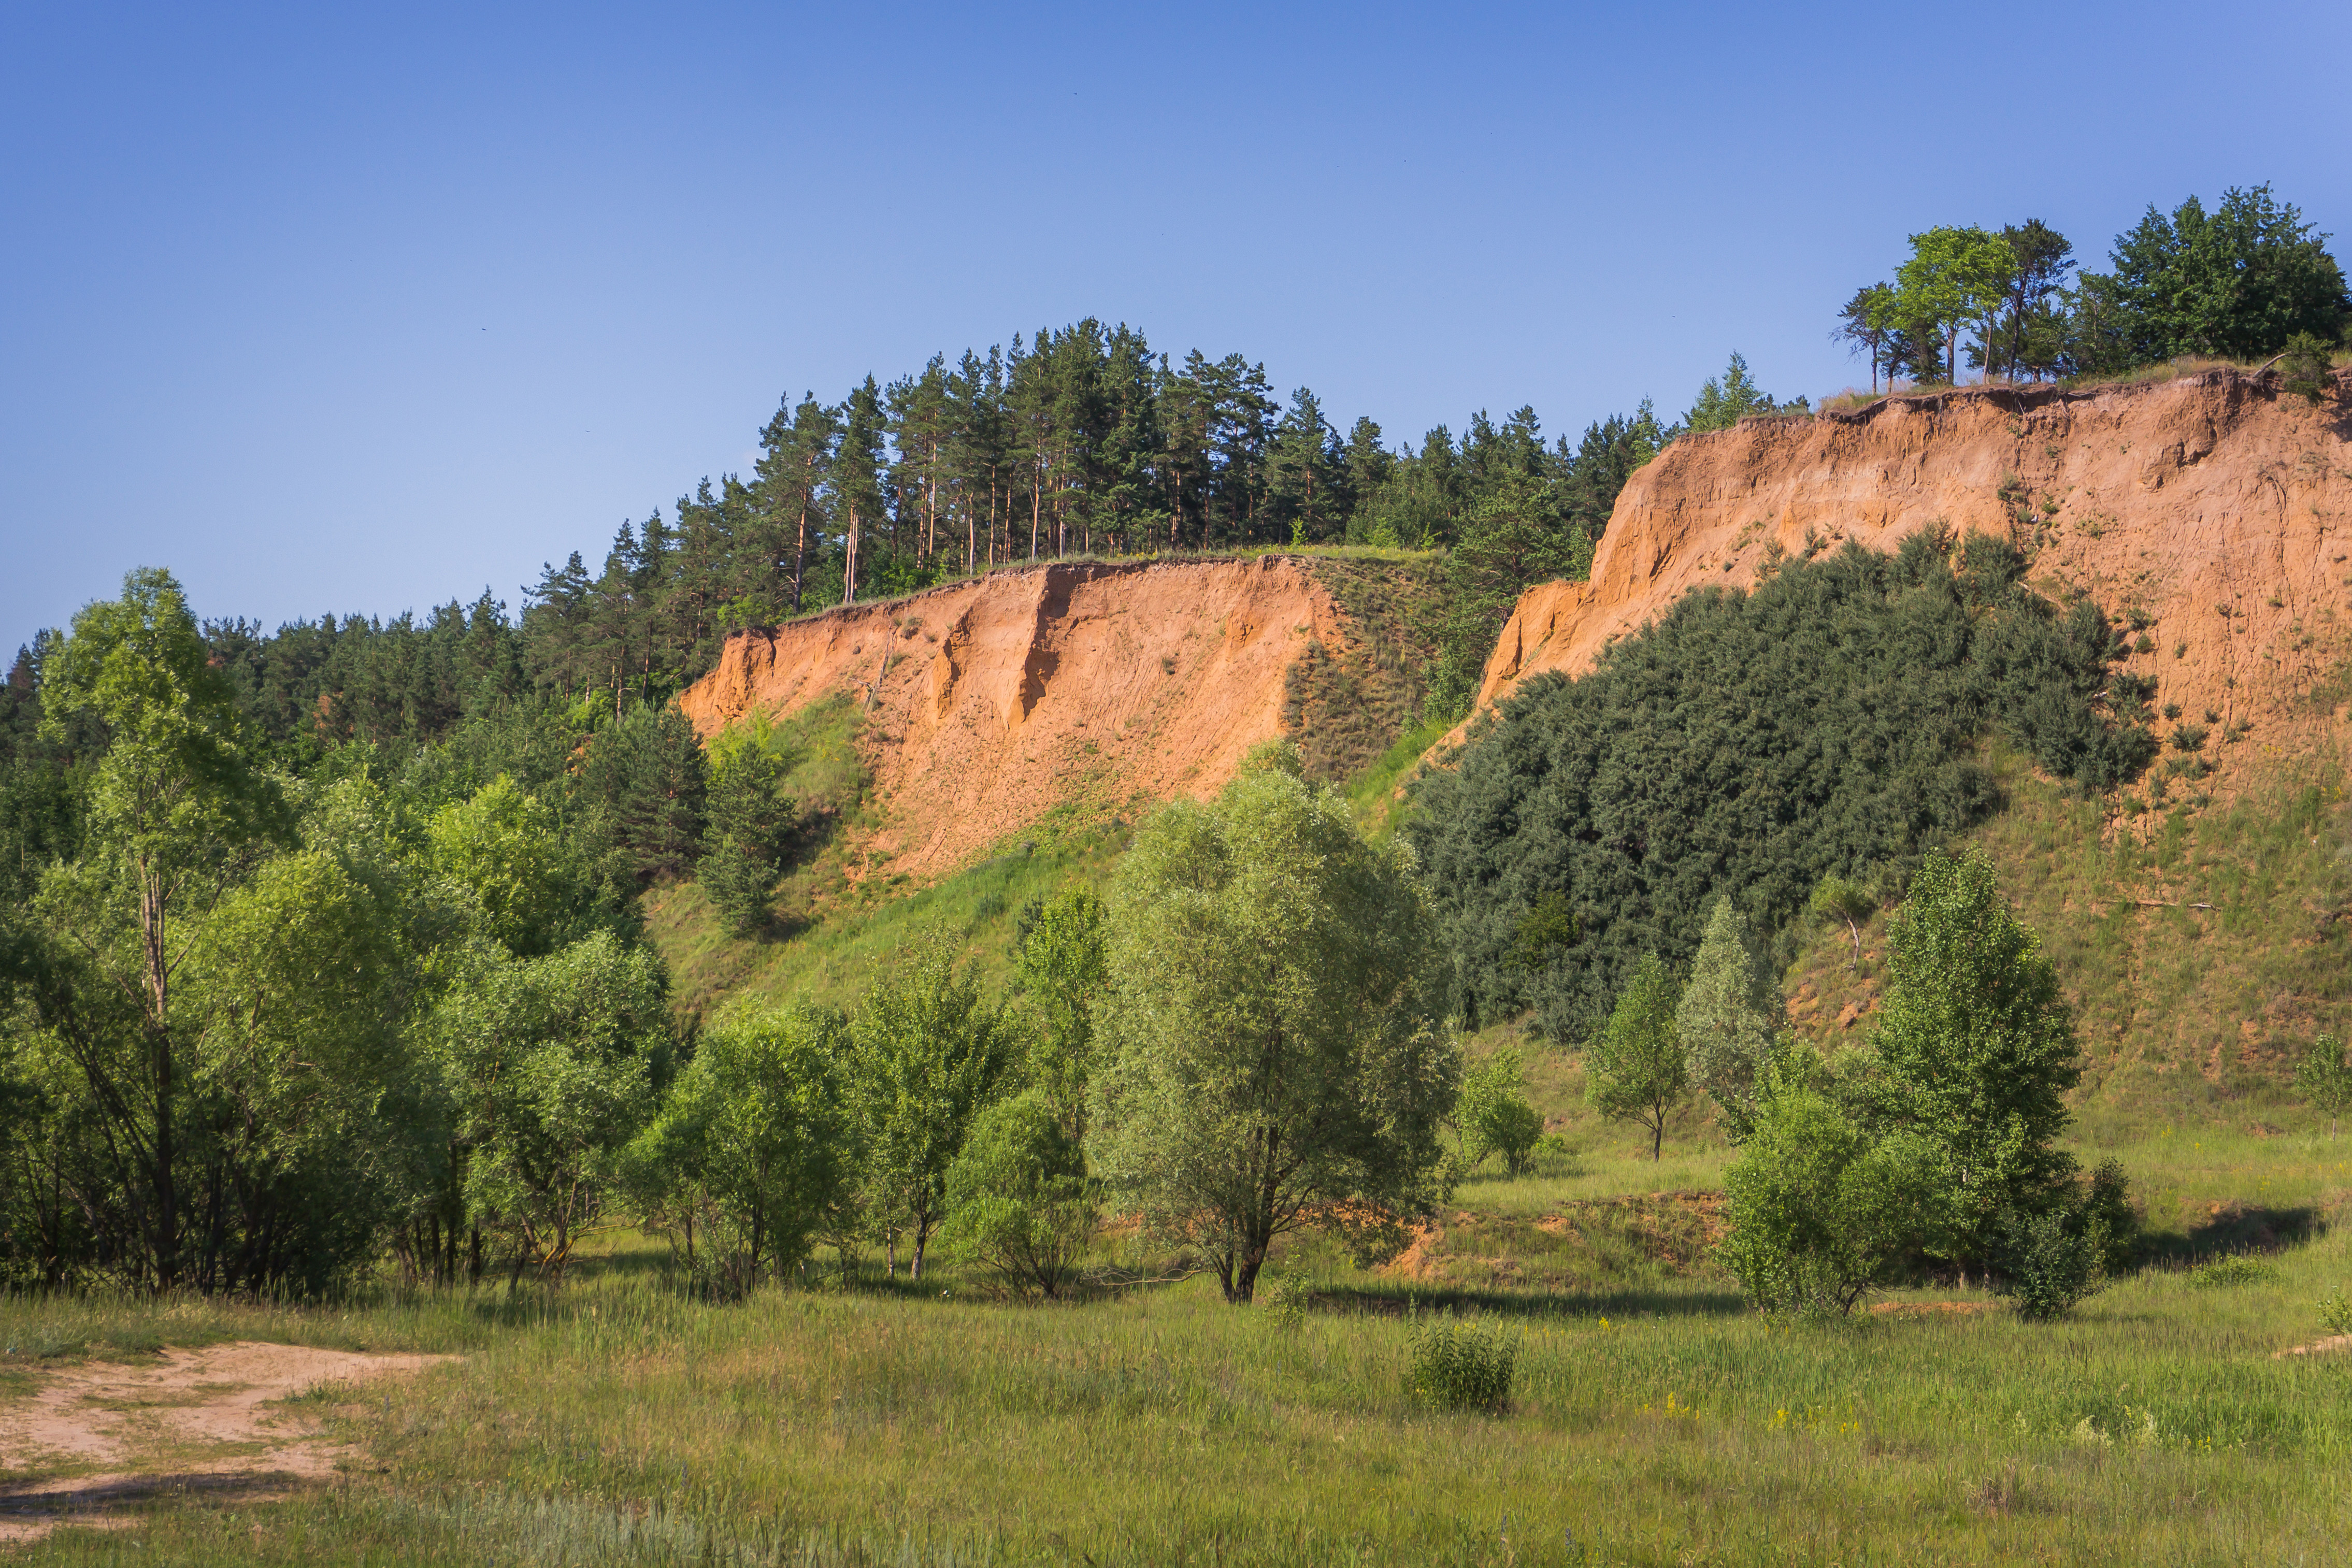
{"type": "Point", "coordinates": [95, 1437]}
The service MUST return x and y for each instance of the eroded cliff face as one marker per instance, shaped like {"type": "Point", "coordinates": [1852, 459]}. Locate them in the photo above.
{"type": "Point", "coordinates": [994, 702]}
{"type": "Point", "coordinates": [2214, 507]}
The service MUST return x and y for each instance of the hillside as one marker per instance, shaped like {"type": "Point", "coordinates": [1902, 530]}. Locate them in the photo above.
{"type": "Point", "coordinates": [2211, 514]}
{"type": "Point", "coordinates": [1082, 691]}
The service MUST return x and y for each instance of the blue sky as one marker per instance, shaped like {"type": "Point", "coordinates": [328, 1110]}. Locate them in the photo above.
{"type": "Point", "coordinates": [359, 311]}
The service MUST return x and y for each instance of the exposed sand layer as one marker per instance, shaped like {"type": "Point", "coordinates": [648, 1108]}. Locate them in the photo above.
{"type": "Point", "coordinates": [2216, 506]}
{"type": "Point", "coordinates": [98, 1437]}
{"type": "Point", "coordinates": [995, 700]}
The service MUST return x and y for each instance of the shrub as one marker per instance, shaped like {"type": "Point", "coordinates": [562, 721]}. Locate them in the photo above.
{"type": "Point", "coordinates": [1460, 1366]}
{"type": "Point", "coordinates": [2306, 364]}
{"type": "Point", "coordinates": [2235, 1269]}
{"type": "Point", "coordinates": [1017, 1202]}
{"type": "Point", "coordinates": [1283, 1304]}
{"type": "Point", "coordinates": [2336, 1310]}
{"type": "Point", "coordinates": [1494, 1118]}
{"type": "Point", "coordinates": [2050, 1267]}
{"type": "Point", "coordinates": [1819, 1211]}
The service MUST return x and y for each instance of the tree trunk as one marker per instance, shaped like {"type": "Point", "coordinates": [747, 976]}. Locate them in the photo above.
{"type": "Point", "coordinates": [800, 555]}
{"type": "Point", "coordinates": [165, 1236]}
{"type": "Point", "coordinates": [849, 562]}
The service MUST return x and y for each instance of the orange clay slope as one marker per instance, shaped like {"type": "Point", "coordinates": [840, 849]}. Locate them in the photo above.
{"type": "Point", "coordinates": [1094, 687]}
{"type": "Point", "coordinates": [2216, 507]}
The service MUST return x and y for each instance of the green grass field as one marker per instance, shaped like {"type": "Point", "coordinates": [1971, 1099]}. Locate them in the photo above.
{"type": "Point", "coordinates": [1654, 1419]}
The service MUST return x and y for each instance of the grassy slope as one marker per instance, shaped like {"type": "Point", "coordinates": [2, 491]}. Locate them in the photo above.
{"type": "Point", "coordinates": [2187, 1016]}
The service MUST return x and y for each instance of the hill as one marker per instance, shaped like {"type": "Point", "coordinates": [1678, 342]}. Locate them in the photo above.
{"type": "Point", "coordinates": [2211, 514]}
{"type": "Point", "coordinates": [1081, 691]}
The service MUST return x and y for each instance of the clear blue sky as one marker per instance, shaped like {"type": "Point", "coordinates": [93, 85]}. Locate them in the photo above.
{"type": "Point", "coordinates": [344, 308]}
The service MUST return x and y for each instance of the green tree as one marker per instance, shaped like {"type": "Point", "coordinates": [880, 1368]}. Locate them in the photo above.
{"type": "Point", "coordinates": [795, 470]}
{"type": "Point", "coordinates": [927, 1053]}
{"type": "Point", "coordinates": [643, 783]}
{"type": "Point", "coordinates": [508, 852]}
{"type": "Point", "coordinates": [176, 805]}
{"type": "Point", "coordinates": [2237, 282]}
{"type": "Point", "coordinates": [1955, 277]}
{"type": "Point", "coordinates": [1724, 402]}
{"type": "Point", "coordinates": [2324, 1077]}
{"type": "Point", "coordinates": [1272, 1019]}
{"type": "Point", "coordinates": [1726, 1017]}
{"type": "Point", "coordinates": [1863, 325]}
{"type": "Point", "coordinates": [750, 822]}
{"type": "Point", "coordinates": [1493, 1117]}
{"type": "Point", "coordinates": [1974, 1052]}
{"type": "Point", "coordinates": [553, 1064]}
{"type": "Point", "coordinates": [750, 1149]}
{"type": "Point", "coordinates": [1634, 1069]}
{"type": "Point", "coordinates": [2031, 335]}
{"type": "Point", "coordinates": [1061, 968]}
{"type": "Point", "coordinates": [1017, 1200]}
{"type": "Point", "coordinates": [1818, 1211]}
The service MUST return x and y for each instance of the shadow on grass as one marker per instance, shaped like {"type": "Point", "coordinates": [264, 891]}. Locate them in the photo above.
{"type": "Point", "coordinates": [2233, 1227]}
{"type": "Point", "coordinates": [1394, 1299]}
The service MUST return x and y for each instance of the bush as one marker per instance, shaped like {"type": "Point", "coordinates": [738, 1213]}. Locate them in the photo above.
{"type": "Point", "coordinates": [1461, 1365]}
{"type": "Point", "coordinates": [2051, 1266]}
{"type": "Point", "coordinates": [1819, 1212]}
{"type": "Point", "coordinates": [1494, 1118]}
{"type": "Point", "coordinates": [2223, 1273]}
{"type": "Point", "coordinates": [1017, 1202]}
{"type": "Point", "coordinates": [2336, 1310]}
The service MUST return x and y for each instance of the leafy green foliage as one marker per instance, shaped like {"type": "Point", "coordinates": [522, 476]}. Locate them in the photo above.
{"type": "Point", "coordinates": [2336, 1310]}
{"type": "Point", "coordinates": [2306, 365]}
{"type": "Point", "coordinates": [1061, 969]}
{"type": "Point", "coordinates": [750, 1148]}
{"type": "Point", "coordinates": [1820, 1211]}
{"type": "Point", "coordinates": [2227, 1273]}
{"type": "Point", "coordinates": [1494, 1115]}
{"type": "Point", "coordinates": [1271, 1021]}
{"type": "Point", "coordinates": [927, 1053]}
{"type": "Point", "coordinates": [554, 1065]}
{"type": "Point", "coordinates": [751, 824]}
{"type": "Point", "coordinates": [2324, 1077]}
{"type": "Point", "coordinates": [1723, 402]}
{"type": "Point", "coordinates": [2239, 281]}
{"type": "Point", "coordinates": [1751, 744]}
{"type": "Point", "coordinates": [1633, 1068]}
{"type": "Point", "coordinates": [1017, 1199]}
{"type": "Point", "coordinates": [1726, 1017]}
{"type": "Point", "coordinates": [2048, 1267]}
{"type": "Point", "coordinates": [1461, 1365]}
{"type": "Point", "coordinates": [643, 783]}
{"type": "Point", "coordinates": [1974, 1053]}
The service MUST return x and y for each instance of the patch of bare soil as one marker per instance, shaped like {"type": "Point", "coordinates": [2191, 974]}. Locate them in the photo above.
{"type": "Point", "coordinates": [96, 1439]}
{"type": "Point", "coordinates": [2331, 1345]}
{"type": "Point", "coordinates": [1928, 1309]}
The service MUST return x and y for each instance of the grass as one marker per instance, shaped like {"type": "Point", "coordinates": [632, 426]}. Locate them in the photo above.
{"type": "Point", "coordinates": [2185, 1014]}
{"type": "Point", "coordinates": [1652, 1421]}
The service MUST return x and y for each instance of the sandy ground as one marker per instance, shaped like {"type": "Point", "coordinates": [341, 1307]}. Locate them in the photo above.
{"type": "Point", "coordinates": [95, 1438]}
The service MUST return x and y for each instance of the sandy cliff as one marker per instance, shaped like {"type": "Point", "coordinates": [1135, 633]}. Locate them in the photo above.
{"type": "Point", "coordinates": [995, 701]}
{"type": "Point", "coordinates": [2214, 506]}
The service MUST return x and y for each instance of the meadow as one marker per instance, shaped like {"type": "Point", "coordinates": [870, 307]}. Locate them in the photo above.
{"type": "Point", "coordinates": [1654, 1420]}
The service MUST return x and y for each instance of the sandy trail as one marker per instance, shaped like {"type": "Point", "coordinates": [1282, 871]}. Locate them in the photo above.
{"type": "Point", "coordinates": [95, 1437]}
